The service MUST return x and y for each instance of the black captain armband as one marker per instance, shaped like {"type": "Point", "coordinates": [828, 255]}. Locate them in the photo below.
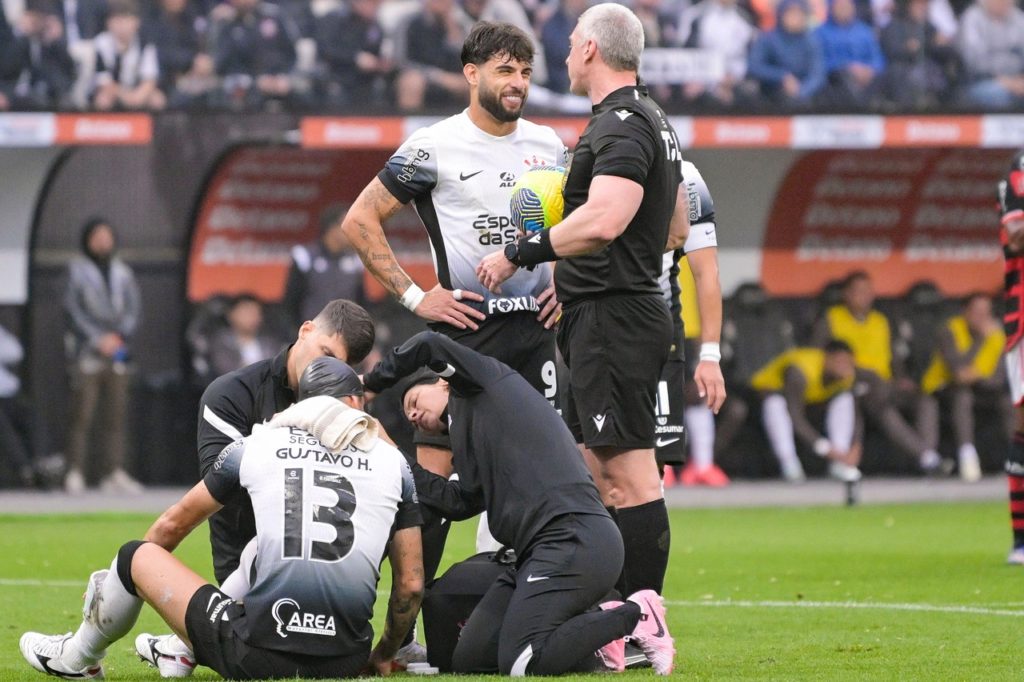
{"type": "Point", "coordinates": [534, 249]}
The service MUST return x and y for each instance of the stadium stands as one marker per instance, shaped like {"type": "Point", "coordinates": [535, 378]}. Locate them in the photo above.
{"type": "Point", "coordinates": [365, 55]}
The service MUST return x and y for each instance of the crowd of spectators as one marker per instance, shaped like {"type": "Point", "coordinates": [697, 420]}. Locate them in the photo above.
{"type": "Point", "coordinates": [401, 56]}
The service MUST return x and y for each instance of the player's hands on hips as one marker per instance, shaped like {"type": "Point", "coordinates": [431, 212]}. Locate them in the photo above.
{"type": "Point", "coordinates": [710, 384]}
{"type": "Point", "coordinates": [495, 269]}
{"type": "Point", "coordinates": [441, 305]}
{"type": "Point", "coordinates": [550, 307]}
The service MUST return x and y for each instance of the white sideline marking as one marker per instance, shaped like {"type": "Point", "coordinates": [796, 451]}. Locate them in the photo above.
{"type": "Point", "coordinates": [717, 603]}
{"type": "Point", "coordinates": [879, 606]}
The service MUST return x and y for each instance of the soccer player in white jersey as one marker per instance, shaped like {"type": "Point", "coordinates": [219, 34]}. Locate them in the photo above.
{"type": "Point", "coordinates": [459, 175]}
{"type": "Point", "coordinates": [701, 251]}
{"type": "Point", "coordinates": [323, 520]}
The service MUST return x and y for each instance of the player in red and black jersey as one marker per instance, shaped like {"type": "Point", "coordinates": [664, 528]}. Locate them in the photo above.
{"type": "Point", "coordinates": [1011, 234]}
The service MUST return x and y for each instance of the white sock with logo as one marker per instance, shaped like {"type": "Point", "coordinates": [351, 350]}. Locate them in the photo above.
{"type": "Point", "coordinates": [700, 424]}
{"type": "Point", "coordinates": [109, 614]}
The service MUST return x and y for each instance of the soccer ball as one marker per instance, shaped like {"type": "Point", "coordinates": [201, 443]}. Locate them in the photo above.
{"type": "Point", "coordinates": [537, 202]}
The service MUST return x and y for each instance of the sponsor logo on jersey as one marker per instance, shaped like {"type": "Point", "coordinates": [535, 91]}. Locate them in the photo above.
{"type": "Point", "coordinates": [623, 114]}
{"type": "Point", "coordinates": [291, 618]}
{"type": "Point", "coordinates": [467, 176]}
{"type": "Point", "coordinates": [408, 171]}
{"type": "Point", "coordinates": [494, 229]}
{"type": "Point", "coordinates": [513, 304]}
{"type": "Point", "coordinates": [507, 179]}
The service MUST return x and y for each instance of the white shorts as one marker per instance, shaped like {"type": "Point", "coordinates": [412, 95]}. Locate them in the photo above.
{"type": "Point", "coordinates": [1015, 372]}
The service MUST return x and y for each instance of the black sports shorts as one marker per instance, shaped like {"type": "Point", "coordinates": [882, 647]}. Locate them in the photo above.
{"type": "Point", "coordinates": [615, 348]}
{"type": "Point", "coordinates": [669, 405]}
{"type": "Point", "coordinates": [211, 620]}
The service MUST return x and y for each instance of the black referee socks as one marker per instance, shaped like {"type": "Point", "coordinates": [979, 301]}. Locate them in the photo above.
{"type": "Point", "coordinates": [646, 537]}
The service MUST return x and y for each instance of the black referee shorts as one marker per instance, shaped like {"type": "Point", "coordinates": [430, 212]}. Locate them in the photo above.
{"type": "Point", "coordinates": [211, 620]}
{"type": "Point", "coordinates": [615, 347]}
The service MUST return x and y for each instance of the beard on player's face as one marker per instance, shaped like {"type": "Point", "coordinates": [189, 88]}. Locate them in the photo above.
{"type": "Point", "coordinates": [493, 102]}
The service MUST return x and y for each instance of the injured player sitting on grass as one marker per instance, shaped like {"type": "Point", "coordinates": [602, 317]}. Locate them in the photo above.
{"type": "Point", "coordinates": [314, 563]}
{"type": "Point", "coordinates": [517, 460]}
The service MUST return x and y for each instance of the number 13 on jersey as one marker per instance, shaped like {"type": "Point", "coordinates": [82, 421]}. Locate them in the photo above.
{"type": "Point", "coordinates": [338, 516]}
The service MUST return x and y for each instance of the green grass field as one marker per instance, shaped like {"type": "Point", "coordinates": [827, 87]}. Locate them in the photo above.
{"type": "Point", "coordinates": [885, 592]}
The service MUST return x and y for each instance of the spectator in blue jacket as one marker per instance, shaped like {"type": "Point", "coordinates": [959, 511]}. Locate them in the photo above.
{"type": "Point", "coordinates": [788, 61]}
{"type": "Point", "coordinates": [853, 57]}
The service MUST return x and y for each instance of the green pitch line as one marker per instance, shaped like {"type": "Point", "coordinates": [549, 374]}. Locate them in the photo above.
{"type": "Point", "coordinates": [878, 593]}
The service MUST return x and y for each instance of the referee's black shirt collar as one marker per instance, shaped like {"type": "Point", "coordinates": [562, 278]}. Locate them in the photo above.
{"type": "Point", "coordinates": [616, 97]}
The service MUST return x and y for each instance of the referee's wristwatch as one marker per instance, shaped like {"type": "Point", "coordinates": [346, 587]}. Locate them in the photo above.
{"type": "Point", "coordinates": [512, 252]}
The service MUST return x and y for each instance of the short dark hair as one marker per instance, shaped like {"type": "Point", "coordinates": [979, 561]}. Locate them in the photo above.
{"type": "Point", "coordinates": [349, 320]}
{"type": "Point", "coordinates": [854, 277]}
{"type": "Point", "coordinates": [491, 39]}
{"type": "Point", "coordinates": [837, 346]}
{"type": "Point", "coordinates": [330, 217]}
{"type": "Point", "coordinates": [123, 8]}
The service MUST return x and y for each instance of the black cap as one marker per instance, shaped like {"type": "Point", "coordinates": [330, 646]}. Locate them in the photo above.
{"type": "Point", "coordinates": [329, 376]}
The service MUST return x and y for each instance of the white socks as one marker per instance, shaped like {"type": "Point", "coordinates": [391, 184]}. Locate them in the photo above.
{"type": "Point", "coordinates": [779, 427]}
{"type": "Point", "coordinates": [700, 425]}
{"type": "Point", "coordinates": [109, 614]}
{"type": "Point", "coordinates": [840, 421]}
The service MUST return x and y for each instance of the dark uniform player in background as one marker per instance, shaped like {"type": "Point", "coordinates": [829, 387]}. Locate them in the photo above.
{"type": "Point", "coordinates": [320, 272]}
{"type": "Point", "coordinates": [1011, 234]}
{"type": "Point", "coordinates": [516, 459]}
{"type": "Point", "coordinates": [234, 402]}
{"type": "Point", "coordinates": [623, 193]}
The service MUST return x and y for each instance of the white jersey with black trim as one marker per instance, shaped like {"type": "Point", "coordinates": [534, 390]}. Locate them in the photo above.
{"type": "Point", "coordinates": [323, 521]}
{"type": "Point", "coordinates": [702, 233]}
{"type": "Point", "coordinates": [461, 181]}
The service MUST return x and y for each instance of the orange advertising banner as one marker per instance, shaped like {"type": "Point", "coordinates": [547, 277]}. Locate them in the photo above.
{"type": "Point", "coordinates": [901, 215]}
{"type": "Point", "coordinates": [116, 129]}
{"type": "Point", "coordinates": [262, 200]}
{"type": "Point", "coordinates": [318, 132]}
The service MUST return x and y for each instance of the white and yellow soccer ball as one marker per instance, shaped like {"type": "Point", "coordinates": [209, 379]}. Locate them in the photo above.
{"type": "Point", "coordinates": [537, 201]}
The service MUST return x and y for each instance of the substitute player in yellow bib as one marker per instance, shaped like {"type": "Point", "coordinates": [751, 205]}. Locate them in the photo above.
{"type": "Point", "coordinates": [820, 381]}
{"type": "Point", "coordinates": [964, 371]}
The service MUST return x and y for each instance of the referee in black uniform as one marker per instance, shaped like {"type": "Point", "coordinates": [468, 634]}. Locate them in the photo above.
{"type": "Point", "coordinates": [516, 460]}
{"type": "Point", "coordinates": [623, 201]}
{"type": "Point", "coordinates": [234, 402]}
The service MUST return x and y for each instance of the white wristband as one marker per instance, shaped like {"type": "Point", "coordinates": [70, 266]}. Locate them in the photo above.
{"type": "Point", "coordinates": [710, 352]}
{"type": "Point", "coordinates": [822, 447]}
{"type": "Point", "coordinates": [412, 297]}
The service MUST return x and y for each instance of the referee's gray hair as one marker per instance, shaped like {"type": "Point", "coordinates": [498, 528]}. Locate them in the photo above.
{"type": "Point", "coordinates": [618, 33]}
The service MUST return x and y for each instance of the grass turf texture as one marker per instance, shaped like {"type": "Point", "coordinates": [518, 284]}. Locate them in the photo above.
{"type": "Point", "coordinates": [735, 587]}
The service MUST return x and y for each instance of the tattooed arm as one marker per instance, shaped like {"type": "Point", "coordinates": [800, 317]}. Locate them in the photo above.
{"type": "Point", "coordinates": [364, 227]}
{"type": "Point", "coordinates": [406, 555]}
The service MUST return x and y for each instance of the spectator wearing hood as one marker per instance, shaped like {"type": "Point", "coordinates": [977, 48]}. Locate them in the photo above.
{"type": "Point", "coordinates": [788, 62]}
{"type": "Point", "coordinates": [919, 57]}
{"type": "Point", "coordinates": [102, 306]}
{"type": "Point", "coordinates": [853, 57]}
